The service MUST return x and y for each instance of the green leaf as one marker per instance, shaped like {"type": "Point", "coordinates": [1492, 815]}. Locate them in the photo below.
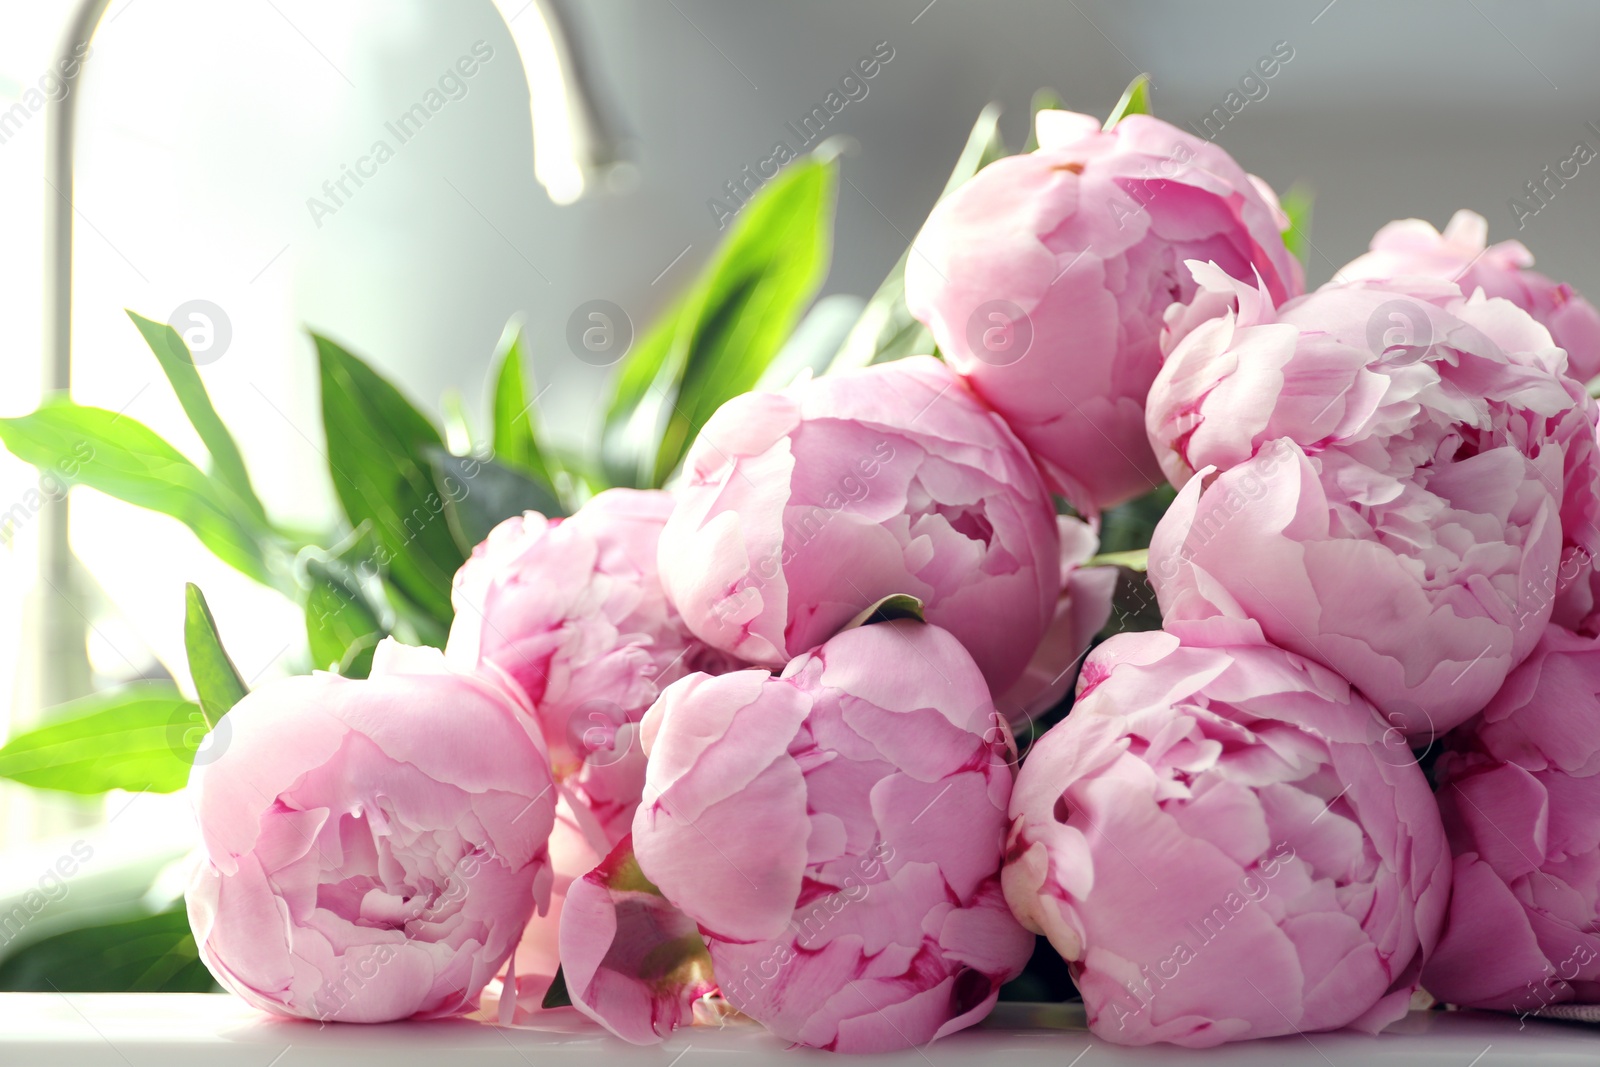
{"type": "Point", "coordinates": [1135, 560]}
{"type": "Point", "coordinates": [1134, 607]}
{"type": "Point", "coordinates": [893, 606]}
{"type": "Point", "coordinates": [1127, 527]}
{"type": "Point", "coordinates": [1043, 100]}
{"type": "Point", "coordinates": [122, 457]}
{"type": "Point", "coordinates": [139, 954]}
{"type": "Point", "coordinates": [1297, 204]}
{"type": "Point", "coordinates": [141, 738]}
{"type": "Point", "coordinates": [216, 680]}
{"type": "Point", "coordinates": [761, 282]}
{"type": "Point", "coordinates": [1135, 101]}
{"type": "Point", "coordinates": [984, 146]}
{"type": "Point", "coordinates": [347, 611]}
{"type": "Point", "coordinates": [479, 493]}
{"type": "Point", "coordinates": [557, 995]}
{"type": "Point", "coordinates": [457, 426]}
{"type": "Point", "coordinates": [580, 475]}
{"type": "Point", "coordinates": [516, 435]}
{"type": "Point", "coordinates": [715, 343]}
{"type": "Point", "coordinates": [413, 626]}
{"type": "Point", "coordinates": [886, 331]}
{"type": "Point", "coordinates": [226, 462]}
{"type": "Point", "coordinates": [810, 349]}
{"type": "Point", "coordinates": [630, 421]}
{"type": "Point", "coordinates": [342, 625]}
{"type": "Point", "coordinates": [378, 457]}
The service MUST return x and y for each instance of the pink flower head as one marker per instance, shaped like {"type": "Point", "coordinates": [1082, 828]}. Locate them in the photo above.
{"type": "Point", "coordinates": [1221, 846]}
{"type": "Point", "coordinates": [631, 961]}
{"type": "Point", "coordinates": [1519, 788]}
{"type": "Point", "coordinates": [1462, 254]}
{"type": "Point", "coordinates": [573, 610]}
{"type": "Point", "coordinates": [371, 849]}
{"type": "Point", "coordinates": [836, 833]}
{"type": "Point", "coordinates": [1045, 278]}
{"type": "Point", "coordinates": [1406, 477]}
{"type": "Point", "coordinates": [801, 509]}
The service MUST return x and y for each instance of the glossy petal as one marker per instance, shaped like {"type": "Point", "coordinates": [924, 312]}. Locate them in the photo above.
{"type": "Point", "coordinates": [1519, 789]}
{"type": "Point", "coordinates": [1462, 254]}
{"type": "Point", "coordinates": [801, 509]}
{"type": "Point", "coordinates": [632, 962]}
{"type": "Point", "coordinates": [1219, 847]}
{"type": "Point", "coordinates": [1402, 430]}
{"type": "Point", "coordinates": [1045, 279]}
{"type": "Point", "coordinates": [836, 833]}
{"type": "Point", "coordinates": [371, 849]}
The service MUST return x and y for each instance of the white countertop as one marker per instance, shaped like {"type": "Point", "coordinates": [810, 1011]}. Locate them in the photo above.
{"type": "Point", "coordinates": [175, 1030]}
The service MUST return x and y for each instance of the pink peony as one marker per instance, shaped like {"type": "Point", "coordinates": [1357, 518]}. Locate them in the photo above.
{"type": "Point", "coordinates": [631, 961]}
{"type": "Point", "coordinates": [801, 509]}
{"type": "Point", "coordinates": [1406, 481]}
{"type": "Point", "coordinates": [1220, 846]}
{"type": "Point", "coordinates": [371, 849]}
{"type": "Point", "coordinates": [836, 833]}
{"type": "Point", "coordinates": [1045, 278]}
{"type": "Point", "coordinates": [1520, 794]}
{"type": "Point", "coordinates": [573, 610]}
{"type": "Point", "coordinates": [1410, 247]}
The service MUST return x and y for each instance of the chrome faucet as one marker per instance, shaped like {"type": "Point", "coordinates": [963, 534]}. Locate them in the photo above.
{"type": "Point", "coordinates": [572, 155]}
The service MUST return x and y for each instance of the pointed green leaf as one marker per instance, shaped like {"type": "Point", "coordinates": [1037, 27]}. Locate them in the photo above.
{"type": "Point", "coordinates": [227, 465]}
{"type": "Point", "coordinates": [133, 953]}
{"type": "Point", "coordinates": [1297, 204]}
{"type": "Point", "coordinates": [479, 494]}
{"type": "Point", "coordinates": [457, 426]}
{"type": "Point", "coordinates": [633, 419]}
{"type": "Point", "coordinates": [768, 272]}
{"type": "Point", "coordinates": [715, 343]}
{"type": "Point", "coordinates": [413, 626]}
{"type": "Point", "coordinates": [984, 145]}
{"type": "Point", "coordinates": [122, 457]}
{"type": "Point", "coordinates": [377, 456]}
{"type": "Point", "coordinates": [141, 738]}
{"type": "Point", "coordinates": [1135, 101]}
{"type": "Point", "coordinates": [1135, 560]}
{"type": "Point", "coordinates": [1134, 605]}
{"type": "Point", "coordinates": [516, 435]}
{"type": "Point", "coordinates": [886, 331]}
{"type": "Point", "coordinates": [1128, 527]}
{"type": "Point", "coordinates": [811, 348]}
{"type": "Point", "coordinates": [216, 680]}
{"type": "Point", "coordinates": [557, 995]}
{"type": "Point", "coordinates": [342, 625]}
{"type": "Point", "coordinates": [893, 606]}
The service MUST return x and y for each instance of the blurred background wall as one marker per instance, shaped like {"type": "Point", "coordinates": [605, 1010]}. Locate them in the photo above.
{"type": "Point", "coordinates": [208, 127]}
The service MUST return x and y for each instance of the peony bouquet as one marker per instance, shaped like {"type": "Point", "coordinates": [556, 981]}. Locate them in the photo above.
{"type": "Point", "coordinates": [1104, 597]}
